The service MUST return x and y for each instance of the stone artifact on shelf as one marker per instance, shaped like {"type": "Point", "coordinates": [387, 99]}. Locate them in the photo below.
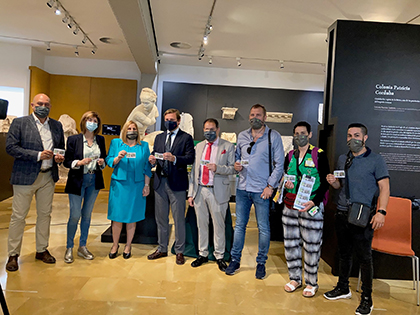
{"type": "Point", "coordinates": [228, 136]}
{"type": "Point", "coordinates": [228, 112]}
{"type": "Point", "coordinates": [186, 124]}
{"type": "Point", "coordinates": [5, 123]}
{"type": "Point", "coordinates": [278, 117]}
{"type": "Point", "coordinates": [69, 128]}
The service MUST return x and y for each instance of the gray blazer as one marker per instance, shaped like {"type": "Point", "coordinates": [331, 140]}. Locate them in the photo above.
{"type": "Point", "coordinates": [24, 143]}
{"type": "Point", "coordinates": [224, 161]}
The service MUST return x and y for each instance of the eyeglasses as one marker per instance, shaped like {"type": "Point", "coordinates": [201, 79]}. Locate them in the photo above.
{"type": "Point", "coordinates": [250, 147]}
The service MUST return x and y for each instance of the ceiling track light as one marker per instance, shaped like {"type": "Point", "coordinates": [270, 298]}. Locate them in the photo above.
{"type": "Point", "coordinates": [76, 51]}
{"type": "Point", "coordinates": [71, 23]}
{"type": "Point", "coordinates": [238, 62]}
{"type": "Point", "coordinates": [205, 39]}
{"type": "Point", "coordinates": [281, 64]}
{"type": "Point", "coordinates": [48, 46]}
{"type": "Point", "coordinates": [210, 60]}
{"type": "Point", "coordinates": [57, 10]}
{"type": "Point", "coordinates": [50, 3]}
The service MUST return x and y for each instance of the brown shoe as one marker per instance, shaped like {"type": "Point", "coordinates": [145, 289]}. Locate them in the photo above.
{"type": "Point", "coordinates": [46, 257]}
{"type": "Point", "coordinates": [180, 260]}
{"type": "Point", "coordinates": [157, 254]}
{"type": "Point", "coordinates": [12, 263]}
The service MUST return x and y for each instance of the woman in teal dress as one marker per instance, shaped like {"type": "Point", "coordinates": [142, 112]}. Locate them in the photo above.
{"type": "Point", "coordinates": [129, 185]}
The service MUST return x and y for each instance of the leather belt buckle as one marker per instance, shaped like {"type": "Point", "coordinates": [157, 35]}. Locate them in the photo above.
{"type": "Point", "coordinates": [207, 186]}
{"type": "Point", "coordinates": [90, 172]}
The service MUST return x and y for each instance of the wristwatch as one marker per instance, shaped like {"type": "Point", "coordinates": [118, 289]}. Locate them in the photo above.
{"type": "Point", "coordinates": [381, 211]}
{"type": "Point", "coordinates": [269, 186]}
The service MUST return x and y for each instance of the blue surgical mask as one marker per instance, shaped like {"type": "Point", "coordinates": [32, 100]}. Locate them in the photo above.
{"type": "Point", "coordinates": [171, 125]}
{"type": "Point", "coordinates": [42, 111]}
{"type": "Point", "coordinates": [91, 126]}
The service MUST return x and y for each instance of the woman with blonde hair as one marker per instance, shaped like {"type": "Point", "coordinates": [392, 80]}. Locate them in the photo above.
{"type": "Point", "coordinates": [129, 184]}
{"type": "Point", "coordinates": [84, 156]}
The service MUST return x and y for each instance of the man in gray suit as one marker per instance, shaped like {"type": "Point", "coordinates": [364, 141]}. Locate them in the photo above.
{"type": "Point", "coordinates": [31, 141]}
{"type": "Point", "coordinates": [209, 190]}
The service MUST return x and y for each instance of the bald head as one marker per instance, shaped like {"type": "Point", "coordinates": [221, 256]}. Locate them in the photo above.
{"type": "Point", "coordinates": [41, 100]}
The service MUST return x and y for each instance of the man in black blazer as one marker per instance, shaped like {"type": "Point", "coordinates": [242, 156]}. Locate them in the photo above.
{"type": "Point", "coordinates": [31, 141]}
{"type": "Point", "coordinates": [174, 150]}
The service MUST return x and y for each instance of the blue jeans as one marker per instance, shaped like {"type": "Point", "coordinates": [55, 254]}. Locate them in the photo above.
{"type": "Point", "coordinates": [244, 201]}
{"type": "Point", "coordinates": [88, 195]}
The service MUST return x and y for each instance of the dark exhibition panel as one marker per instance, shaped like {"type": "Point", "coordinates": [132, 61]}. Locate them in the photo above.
{"type": "Point", "coordinates": [205, 101]}
{"type": "Point", "coordinates": [372, 78]}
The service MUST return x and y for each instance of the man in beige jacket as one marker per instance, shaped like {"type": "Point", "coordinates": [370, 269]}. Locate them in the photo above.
{"type": "Point", "coordinates": [209, 190]}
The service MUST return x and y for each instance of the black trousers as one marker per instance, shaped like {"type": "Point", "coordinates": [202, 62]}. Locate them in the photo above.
{"type": "Point", "coordinates": [353, 238]}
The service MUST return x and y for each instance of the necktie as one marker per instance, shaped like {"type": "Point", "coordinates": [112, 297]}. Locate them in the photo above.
{"type": "Point", "coordinates": [205, 168]}
{"type": "Point", "coordinates": [167, 149]}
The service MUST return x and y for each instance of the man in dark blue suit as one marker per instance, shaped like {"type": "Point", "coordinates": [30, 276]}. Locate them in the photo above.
{"type": "Point", "coordinates": [175, 150]}
{"type": "Point", "coordinates": [31, 141]}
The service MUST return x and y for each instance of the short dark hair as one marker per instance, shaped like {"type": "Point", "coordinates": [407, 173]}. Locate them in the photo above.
{"type": "Point", "coordinates": [211, 120]}
{"type": "Point", "coordinates": [359, 125]}
{"type": "Point", "coordinates": [302, 124]}
{"type": "Point", "coordinates": [173, 110]}
{"type": "Point", "coordinates": [259, 106]}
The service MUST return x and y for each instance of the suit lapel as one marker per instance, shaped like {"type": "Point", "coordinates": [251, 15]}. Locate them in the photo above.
{"type": "Point", "coordinates": [35, 131]}
{"type": "Point", "coordinates": [80, 147]}
{"type": "Point", "coordinates": [176, 140]}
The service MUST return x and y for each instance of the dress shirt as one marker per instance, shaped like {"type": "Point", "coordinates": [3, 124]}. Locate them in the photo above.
{"type": "Point", "coordinates": [213, 154]}
{"type": "Point", "coordinates": [174, 133]}
{"type": "Point", "coordinates": [47, 141]}
{"type": "Point", "coordinates": [256, 175]}
{"type": "Point", "coordinates": [89, 152]}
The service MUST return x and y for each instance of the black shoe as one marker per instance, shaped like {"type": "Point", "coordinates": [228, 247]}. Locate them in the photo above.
{"type": "Point", "coordinates": [365, 307]}
{"type": "Point", "coordinates": [338, 293]}
{"type": "Point", "coordinates": [127, 255]}
{"type": "Point", "coordinates": [222, 265]}
{"type": "Point", "coordinates": [260, 271]}
{"type": "Point", "coordinates": [114, 255]}
{"type": "Point", "coordinates": [199, 261]}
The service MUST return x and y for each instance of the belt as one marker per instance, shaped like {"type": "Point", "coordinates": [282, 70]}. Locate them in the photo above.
{"type": "Point", "coordinates": [46, 170]}
{"type": "Point", "coordinates": [208, 186]}
{"type": "Point", "coordinates": [90, 172]}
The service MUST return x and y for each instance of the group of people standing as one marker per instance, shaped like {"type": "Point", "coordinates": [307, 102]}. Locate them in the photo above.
{"type": "Point", "coordinates": [260, 162]}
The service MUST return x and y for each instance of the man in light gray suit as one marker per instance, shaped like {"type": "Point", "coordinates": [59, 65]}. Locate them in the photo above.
{"type": "Point", "coordinates": [209, 190]}
{"type": "Point", "coordinates": [31, 141]}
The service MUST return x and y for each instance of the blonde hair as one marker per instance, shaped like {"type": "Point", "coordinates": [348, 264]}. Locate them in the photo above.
{"type": "Point", "coordinates": [171, 111]}
{"type": "Point", "coordinates": [124, 131]}
{"type": "Point", "coordinates": [85, 117]}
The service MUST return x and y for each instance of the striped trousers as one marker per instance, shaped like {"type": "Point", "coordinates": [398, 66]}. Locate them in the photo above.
{"type": "Point", "coordinates": [300, 228]}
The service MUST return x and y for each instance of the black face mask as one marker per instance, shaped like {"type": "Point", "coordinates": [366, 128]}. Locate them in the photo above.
{"type": "Point", "coordinates": [170, 125]}
{"type": "Point", "coordinates": [41, 111]}
{"type": "Point", "coordinates": [210, 135]}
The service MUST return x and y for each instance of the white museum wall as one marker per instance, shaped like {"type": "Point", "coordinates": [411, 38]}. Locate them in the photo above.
{"type": "Point", "coordinates": [14, 64]}
{"type": "Point", "coordinates": [236, 77]}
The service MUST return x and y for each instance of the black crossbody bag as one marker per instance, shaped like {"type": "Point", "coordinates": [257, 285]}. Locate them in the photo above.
{"type": "Point", "coordinates": [358, 213]}
{"type": "Point", "coordinates": [272, 203]}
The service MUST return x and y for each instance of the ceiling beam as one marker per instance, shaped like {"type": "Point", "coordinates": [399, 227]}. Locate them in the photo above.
{"type": "Point", "coordinates": [134, 19]}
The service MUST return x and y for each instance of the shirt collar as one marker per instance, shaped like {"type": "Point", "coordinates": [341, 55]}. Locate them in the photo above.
{"type": "Point", "coordinates": [37, 121]}
{"type": "Point", "coordinates": [215, 142]}
{"type": "Point", "coordinates": [85, 140]}
{"type": "Point", "coordinates": [173, 131]}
